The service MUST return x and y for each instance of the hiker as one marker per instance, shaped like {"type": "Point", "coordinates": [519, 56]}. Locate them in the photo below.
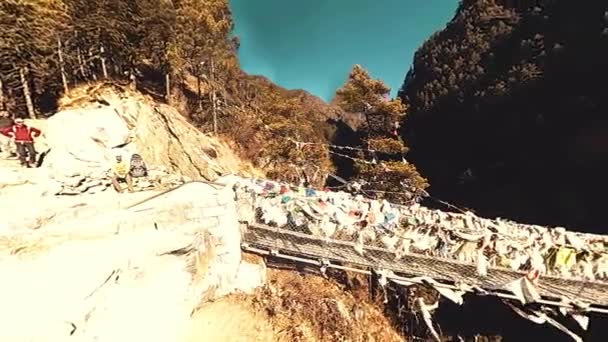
{"type": "Point", "coordinates": [138, 167]}
{"type": "Point", "coordinates": [6, 146]}
{"type": "Point", "coordinates": [120, 173]}
{"type": "Point", "coordinates": [24, 140]}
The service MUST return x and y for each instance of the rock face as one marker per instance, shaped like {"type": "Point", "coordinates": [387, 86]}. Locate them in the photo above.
{"type": "Point", "coordinates": [80, 144]}
{"type": "Point", "coordinates": [135, 273]}
{"type": "Point", "coordinates": [80, 141]}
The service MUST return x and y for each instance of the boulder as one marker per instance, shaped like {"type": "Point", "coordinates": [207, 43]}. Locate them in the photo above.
{"type": "Point", "coordinates": [82, 143]}
{"type": "Point", "coordinates": [81, 140]}
{"type": "Point", "coordinates": [134, 274]}
{"type": "Point", "coordinates": [163, 137]}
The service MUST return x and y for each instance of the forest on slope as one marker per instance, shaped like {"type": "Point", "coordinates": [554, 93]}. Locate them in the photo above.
{"type": "Point", "coordinates": [182, 52]}
{"type": "Point", "coordinates": [177, 51]}
{"type": "Point", "coordinates": [508, 110]}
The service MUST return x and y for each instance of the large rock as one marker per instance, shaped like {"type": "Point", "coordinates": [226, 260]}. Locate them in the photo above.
{"type": "Point", "coordinates": [80, 143]}
{"type": "Point", "coordinates": [134, 272]}
{"type": "Point", "coordinates": [176, 144]}
{"type": "Point", "coordinates": [110, 267]}
{"type": "Point", "coordinates": [81, 139]}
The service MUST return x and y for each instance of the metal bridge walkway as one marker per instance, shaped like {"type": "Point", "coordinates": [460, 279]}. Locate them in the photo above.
{"type": "Point", "coordinates": [302, 247]}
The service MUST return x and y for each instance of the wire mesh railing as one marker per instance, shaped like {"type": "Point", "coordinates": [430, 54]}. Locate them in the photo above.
{"type": "Point", "coordinates": [462, 248]}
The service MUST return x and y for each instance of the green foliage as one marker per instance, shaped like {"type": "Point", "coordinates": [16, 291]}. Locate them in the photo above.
{"type": "Point", "coordinates": [361, 91]}
{"type": "Point", "coordinates": [156, 31]}
{"type": "Point", "coordinates": [285, 121]}
{"type": "Point", "coordinates": [460, 57]}
{"type": "Point", "coordinates": [363, 94]}
{"type": "Point", "coordinates": [168, 36]}
{"type": "Point", "coordinates": [201, 32]}
{"type": "Point", "coordinates": [30, 30]}
{"type": "Point", "coordinates": [385, 145]}
{"type": "Point", "coordinates": [398, 182]}
{"type": "Point", "coordinates": [109, 24]}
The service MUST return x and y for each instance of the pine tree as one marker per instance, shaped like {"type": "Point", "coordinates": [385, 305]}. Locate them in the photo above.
{"type": "Point", "coordinates": [201, 44]}
{"type": "Point", "coordinates": [156, 28]}
{"type": "Point", "coordinates": [290, 124]}
{"type": "Point", "coordinates": [155, 25]}
{"type": "Point", "coordinates": [386, 169]}
{"type": "Point", "coordinates": [105, 34]}
{"type": "Point", "coordinates": [28, 48]}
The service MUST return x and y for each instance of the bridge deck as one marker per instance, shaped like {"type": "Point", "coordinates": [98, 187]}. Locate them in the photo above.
{"type": "Point", "coordinates": [304, 245]}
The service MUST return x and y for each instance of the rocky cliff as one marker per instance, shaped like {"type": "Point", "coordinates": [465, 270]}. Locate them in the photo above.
{"type": "Point", "coordinates": [507, 110]}
{"type": "Point", "coordinates": [134, 123]}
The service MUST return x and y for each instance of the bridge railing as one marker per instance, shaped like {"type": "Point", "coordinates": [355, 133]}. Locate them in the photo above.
{"type": "Point", "coordinates": [381, 230]}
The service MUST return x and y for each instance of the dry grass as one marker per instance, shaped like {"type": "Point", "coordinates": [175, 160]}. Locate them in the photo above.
{"type": "Point", "coordinates": [21, 247]}
{"type": "Point", "coordinates": [30, 245]}
{"type": "Point", "coordinates": [230, 319]}
{"type": "Point", "coordinates": [312, 308]}
{"type": "Point", "coordinates": [252, 258]}
{"type": "Point", "coordinates": [89, 93]}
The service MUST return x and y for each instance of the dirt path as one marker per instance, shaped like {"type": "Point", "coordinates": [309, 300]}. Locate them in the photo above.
{"type": "Point", "coordinates": [229, 320]}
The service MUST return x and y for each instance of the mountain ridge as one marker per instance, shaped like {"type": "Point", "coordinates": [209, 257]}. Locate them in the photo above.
{"type": "Point", "coordinates": [503, 111]}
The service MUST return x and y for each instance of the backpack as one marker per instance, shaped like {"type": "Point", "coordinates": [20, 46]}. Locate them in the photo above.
{"type": "Point", "coordinates": [138, 167]}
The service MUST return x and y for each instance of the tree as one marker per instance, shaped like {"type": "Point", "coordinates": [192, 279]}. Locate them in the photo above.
{"type": "Point", "coordinates": [28, 48]}
{"type": "Point", "coordinates": [201, 35]}
{"type": "Point", "coordinates": [386, 170]}
{"type": "Point", "coordinates": [156, 29]}
{"type": "Point", "coordinates": [290, 124]}
{"type": "Point", "coordinates": [105, 32]}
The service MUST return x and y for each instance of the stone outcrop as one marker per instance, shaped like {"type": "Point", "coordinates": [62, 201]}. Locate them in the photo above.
{"type": "Point", "coordinates": [158, 178]}
{"type": "Point", "coordinates": [80, 142]}
{"type": "Point", "coordinates": [135, 273]}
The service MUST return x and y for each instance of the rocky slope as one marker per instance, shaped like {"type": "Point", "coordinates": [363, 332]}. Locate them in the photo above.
{"type": "Point", "coordinates": [84, 263]}
{"type": "Point", "coordinates": [507, 109]}
{"type": "Point", "coordinates": [75, 267]}
{"type": "Point", "coordinates": [80, 141]}
{"type": "Point", "coordinates": [99, 269]}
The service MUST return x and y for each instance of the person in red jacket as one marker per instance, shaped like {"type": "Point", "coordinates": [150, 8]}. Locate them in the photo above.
{"type": "Point", "coordinates": [24, 139]}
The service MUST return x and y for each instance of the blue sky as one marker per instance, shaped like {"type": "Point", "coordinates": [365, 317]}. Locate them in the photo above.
{"type": "Point", "coordinates": [312, 44]}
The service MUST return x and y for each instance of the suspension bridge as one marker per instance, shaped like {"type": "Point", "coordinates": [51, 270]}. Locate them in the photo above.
{"type": "Point", "coordinates": [300, 247]}
{"type": "Point", "coordinates": [289, 243]}
{"type": "Point", "coordinates": [292, 244]}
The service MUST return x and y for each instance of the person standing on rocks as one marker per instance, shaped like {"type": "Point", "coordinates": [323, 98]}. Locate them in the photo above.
{"type": "Point", "coordinates": [24, 139]}
{"type": "Point", "coordinates": [6, 148]}
{"type": "Point", "coordinates": [120, 173]}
